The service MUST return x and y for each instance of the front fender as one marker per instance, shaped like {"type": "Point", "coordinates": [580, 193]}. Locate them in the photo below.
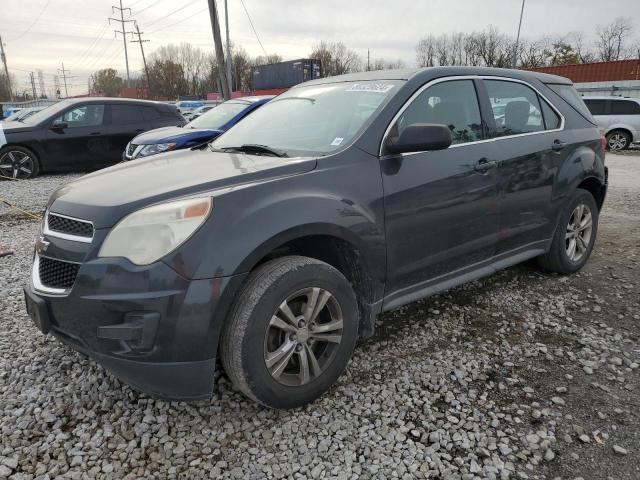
{"type": "Point", "coordinates": [341, 198]}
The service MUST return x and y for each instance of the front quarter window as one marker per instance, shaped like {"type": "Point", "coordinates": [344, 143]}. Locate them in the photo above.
{"type": "Point", "coordinates": [313, 119]}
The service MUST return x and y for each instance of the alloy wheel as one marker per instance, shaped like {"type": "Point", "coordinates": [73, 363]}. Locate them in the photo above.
{"type": "Point", "coordinates": [579, 231]}
{"type": "Point", "coordinates": [303, 336]}
{"type": "Point", "coordinates": [16, 164]}
{"type": "Point", "coordinates": [617, 141]}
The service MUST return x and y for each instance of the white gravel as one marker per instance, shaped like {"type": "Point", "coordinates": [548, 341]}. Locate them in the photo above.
{"type": "Point", "coordinates": [485, 381]}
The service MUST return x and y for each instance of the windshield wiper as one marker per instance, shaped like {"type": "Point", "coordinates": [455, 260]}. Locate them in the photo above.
{"type": "Point", "coordinates": [256, 148]}
{"type": "Point", "coordinates": [309, 99]}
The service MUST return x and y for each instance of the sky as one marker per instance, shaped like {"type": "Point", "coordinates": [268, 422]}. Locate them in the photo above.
{"type": "Point", "coordinates": [41, 34]}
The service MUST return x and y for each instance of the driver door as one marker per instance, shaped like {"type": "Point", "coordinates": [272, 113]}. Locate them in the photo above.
{"type": "Point", "coordinates": [441, 207]}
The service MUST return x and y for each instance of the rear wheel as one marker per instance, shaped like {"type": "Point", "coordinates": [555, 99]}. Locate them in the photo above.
{"type": "Point", "coordinates": [574, 238]}
{"type": "Point", "coordinates": [291, 333]}
{"type": "Point", "coordinates": [18, 163]}
{"type": "Point", "coordinates": [618, 140]}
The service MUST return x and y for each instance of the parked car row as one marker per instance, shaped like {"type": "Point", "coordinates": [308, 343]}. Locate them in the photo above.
{"type": "Point", "coordinates": [274, 248]}
{"type": "Point", "coordinates": [619, 118]}
{"type": "Point", "coordinates": [92, 133]}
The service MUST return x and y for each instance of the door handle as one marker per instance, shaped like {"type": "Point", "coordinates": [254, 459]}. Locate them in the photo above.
{"type": "Point", "coordinates": [95, 133]}
{"type": "Point", "coordinates": [484, 164]}
{"type": "Point", "coordinates": [139, 130]}
{"type": "Point", "coordinates": [558, 145]}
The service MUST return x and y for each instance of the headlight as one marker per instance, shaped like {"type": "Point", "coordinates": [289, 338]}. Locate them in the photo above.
{"type": "Point", "coordinates": [149, 234]}
{"type": "Point", "coordinates": [155, 148]}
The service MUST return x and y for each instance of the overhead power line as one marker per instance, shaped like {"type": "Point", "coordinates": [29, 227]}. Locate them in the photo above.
{"type": "Point", "coordinates": [172, 13]}
{"type": "Point", "coordinates": [173, 24]}
{"type": "Point", "coordinates": [254, 28]}
{"type": "Point", "coordinates": [32, 23]}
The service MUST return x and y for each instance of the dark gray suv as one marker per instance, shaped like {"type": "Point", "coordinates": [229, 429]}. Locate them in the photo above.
{"type": "Point", "coordinates": [274, 247]}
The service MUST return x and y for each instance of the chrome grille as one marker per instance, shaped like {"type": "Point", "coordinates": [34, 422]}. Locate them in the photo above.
{"type": "Point", "coordinates": [69, 226]}
{"type": "Point", "coordinates": [57, 273]}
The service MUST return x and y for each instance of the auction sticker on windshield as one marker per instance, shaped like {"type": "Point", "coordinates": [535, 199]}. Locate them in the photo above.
{"type": "Point", "coordinates": [370, 87]}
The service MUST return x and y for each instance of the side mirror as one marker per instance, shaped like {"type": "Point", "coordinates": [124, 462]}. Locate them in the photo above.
{"type": "Point", "coordinates": [421, 137]}
{"type": "Point", "coordinates": [59, 125]}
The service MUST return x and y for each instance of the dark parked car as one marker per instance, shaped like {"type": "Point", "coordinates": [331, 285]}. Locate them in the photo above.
{"type": "Point", "coordinates": [79, 134]}
{"type": "Point", "coordinates": [275, 247]}
{"type": "Point", "coordinates": [197, 132]}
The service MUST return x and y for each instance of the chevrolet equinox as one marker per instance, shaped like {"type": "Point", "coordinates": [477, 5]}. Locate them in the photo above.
{"type": "Point", "coordinates": [274, 247]}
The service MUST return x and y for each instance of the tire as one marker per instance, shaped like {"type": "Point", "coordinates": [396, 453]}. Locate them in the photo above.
{"type": "Point", "coordinates": [618, 140]}
{"type": "Point", "coordinates": [18, 163]}
{"type": "Point", "coordinates": [254, 333]}
{"type": "Point", "coordinates": [560, 258]}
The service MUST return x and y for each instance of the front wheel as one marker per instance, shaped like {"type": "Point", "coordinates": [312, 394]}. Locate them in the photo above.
{"type": "Point", "coordinates": [18, 163]}
{"type": "Point", "coordinates": [291, 332]}
{"type": "Point", "coordinates": [575, 235]}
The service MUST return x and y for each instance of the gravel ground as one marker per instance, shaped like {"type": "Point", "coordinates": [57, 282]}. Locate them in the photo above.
{"type": "Point", "coordinates": [521, 375]}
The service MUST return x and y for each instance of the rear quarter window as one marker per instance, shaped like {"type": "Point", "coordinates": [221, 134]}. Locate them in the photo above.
{"type": "Point", "coordinates": [569, 94]}
{"type": "Point", "coordinates": [625, 107]}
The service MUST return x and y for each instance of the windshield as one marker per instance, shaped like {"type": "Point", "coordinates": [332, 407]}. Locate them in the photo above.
{"type": "Point", "coordinates": [218, 116]}
{"type": "Point", "coordinates": [46, 112]}
{"type": "Point", "coordinates": [314, 119]}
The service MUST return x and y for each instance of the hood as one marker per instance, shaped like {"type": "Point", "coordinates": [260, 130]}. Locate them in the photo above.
{"type": "Point", "coordinates": [105, 196]}
{"type": "Point", "coordinates": [17, 127]}
{"type": "Point", "coordinates": [175, 135]}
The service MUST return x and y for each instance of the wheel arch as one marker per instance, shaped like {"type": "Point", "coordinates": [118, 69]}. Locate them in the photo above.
{"type": "Point", "coordinates": [621, 128]}
{"type": "Point", "coordinates": [594, 186]}
{"type": "Point", "coordinates": [340, 248]}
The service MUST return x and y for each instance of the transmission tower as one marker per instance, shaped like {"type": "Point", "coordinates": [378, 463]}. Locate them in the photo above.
{"type": "Point", "coordinates": [122, 23]}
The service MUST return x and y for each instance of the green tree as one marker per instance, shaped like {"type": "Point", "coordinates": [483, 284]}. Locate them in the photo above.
{"type": "Point", "coordinates": [561, 54]}
{"type": "Point", "coordinates": [107, 82]}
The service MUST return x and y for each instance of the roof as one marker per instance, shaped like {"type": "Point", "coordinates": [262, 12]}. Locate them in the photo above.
{"type": "Point", "coordinates": [597, 72]}
{"type": "Point", "coordinates": [434, 72]}
{"type": "Point", "coordinates": [608, 97]}
{"type": "Point", "coordinates": [253, 99]}
{"type": "Point", "coordinates": [110, 100]}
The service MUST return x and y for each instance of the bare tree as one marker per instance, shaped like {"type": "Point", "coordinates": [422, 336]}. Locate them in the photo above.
{"type": "Point", "coordinates": [611, 41]}
{"type": "Point", "coordinates": [579, 43]}
{"type": "Point", "coordinates": [426, 51]}
{"type": "Point", "coordinates": [336, 58]}
{"type": "Point", "coordinates": [383, 64]}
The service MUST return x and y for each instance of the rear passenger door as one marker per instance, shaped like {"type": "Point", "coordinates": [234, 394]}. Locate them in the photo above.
{"type": "Point", "coordinates": [441, 214]}
{"type": "Point", "coordinates": [529, 146]}
{"type": "Point", "coordinates": [127, 121]}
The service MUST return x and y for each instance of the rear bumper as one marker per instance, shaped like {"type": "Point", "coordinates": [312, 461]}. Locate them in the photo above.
{"type": "Point", "coordinates": [149, 326]}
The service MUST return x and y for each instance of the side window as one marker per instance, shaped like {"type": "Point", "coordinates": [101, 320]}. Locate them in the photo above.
{"type": "Point", "coordinates": [85, 116]}
{"type": "Point", "coordinates": [150, 113]}
{"type": "Point", "coordinates": [551, 118]}
{"type": "Point", "coordinates": [516, 108]}
{"type": "Point", "coordinates": [596, 107]}
{"type": "Point", "coordinates": [125, 114]}
{"type": "Point", "coordinates": [625, 107]}
{"type": "Point", "coordinates": [452, 103]}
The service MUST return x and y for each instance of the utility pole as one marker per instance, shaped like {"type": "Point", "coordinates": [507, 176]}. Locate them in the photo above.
{"type": "Point", "coordinates": [33, 86]}
{"type": "Point", "coordinates": [368, 61]}
{"type": "Point", "coordinates": [122, 22]}
{"type": "Point", "coordinates": [144, 60]}
{"type": "Point", "coordinates": [217, 41]}
{"type": "Point", "coordinates": [515, 50]}
{"type": "Point", "coordinates": [6, 70]}
{"type": "Point", "coordinates": [226, 24]}
{"type": "Point", "coordinates": [64, 78]}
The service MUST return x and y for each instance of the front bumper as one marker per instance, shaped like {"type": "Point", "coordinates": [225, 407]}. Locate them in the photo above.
{"type": "Point", "coordinates": [149, 326]}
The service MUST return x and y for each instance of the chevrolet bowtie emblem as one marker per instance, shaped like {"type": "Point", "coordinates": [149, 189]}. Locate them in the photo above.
{"type": "Point", "coordinates": [41, 244]}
